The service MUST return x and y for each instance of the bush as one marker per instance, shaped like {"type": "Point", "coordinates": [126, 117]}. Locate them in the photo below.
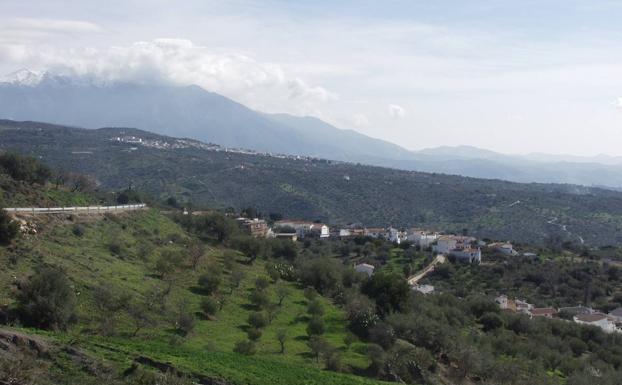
{"type": "Point", "coordinates": [315, 308]}
{"type": "Point", "coordinates": [262, 283]}
{"type": "Point", "coordinates": [186, 322]}
{"type": "Point", "coordinates": [209, 306]}
{"type": "Point", "coordinates": [209, 282]}
{"type": "Point", "coordinates": [78, 230]}
{"type": "Point", "coordinates": [115, 247]}
{"type": "Point", "coordinates": [245, 347]}
{"type": "Point", "coordinates": [254, 334]}
{"type": "Point", "coordinates": [260, 299]}
{"type": "Point", "coordinates": [24, 168]}
{"type": "Point", "coordinates": [8, 228]}
{"type": "Point", "coordinates": [316, 326]}
{"type": "Point", "coordinates": [491, 321]}
{"type": "Point", "coordinates": [258, 319]}
{"type": "Point", "coordinates": [47, 300]}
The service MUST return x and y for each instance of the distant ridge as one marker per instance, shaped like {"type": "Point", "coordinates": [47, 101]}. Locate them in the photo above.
{"type": "Point", "coordinates": [192, 112]}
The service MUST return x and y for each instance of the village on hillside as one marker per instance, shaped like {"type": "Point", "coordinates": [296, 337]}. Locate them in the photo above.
{"type": "Point", "coordinates": [459, 248]}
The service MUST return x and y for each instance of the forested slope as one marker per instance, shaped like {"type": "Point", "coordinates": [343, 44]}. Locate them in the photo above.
{"type": "Point", "coordinates": [329, 191]}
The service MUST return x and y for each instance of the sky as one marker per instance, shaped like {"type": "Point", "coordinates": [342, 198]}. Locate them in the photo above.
{"type": "Point", "coordinates": [514, 77]}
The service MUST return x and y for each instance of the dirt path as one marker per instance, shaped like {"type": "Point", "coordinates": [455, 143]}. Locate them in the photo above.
{"type": "Point", "coordinates": [414, 279]}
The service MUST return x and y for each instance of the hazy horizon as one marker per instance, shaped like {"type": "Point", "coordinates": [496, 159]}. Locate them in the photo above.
{"type": "Point", "coordinates": [512, 78]}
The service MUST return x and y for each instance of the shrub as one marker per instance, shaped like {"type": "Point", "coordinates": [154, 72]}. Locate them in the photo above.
{"type": "Point", "coordinates": [310, 293]}
{"type": "Point", "coordinates": [186, 322]}
{"type": "Point", "coordinates": [333, 361]}
{"type": "Point", "coordinates": [258, 319]}
{"type": "Point", "coordinates": [115, 247]}
{"type": "Point", "coordinates": [209, 306]}
{"type": "Point", "coordinates": [209, 282]}
{"type": "Point", "coordinates": [315, 308]}
{"type": "Point", "coordinates": [491, 321]}
{"type": "Point", "coordinates": [24, 168]}
{"type": "Point", "coordinates": [78, 230]}
{"type": "Point", "coordinates": [316, 326]}
{"type": "Point", "coordinates": [47, 300]}
{"type": "Point", "coordinates": [8, 228]}
{"type": "Point", "coordinates": [245, 347]}
{"type": "Point", "coordinates": [260, 299]}
{"type": "Point", "coordinates": [261, 283]}
{"type": "Point", "coordinates": [254, 334]}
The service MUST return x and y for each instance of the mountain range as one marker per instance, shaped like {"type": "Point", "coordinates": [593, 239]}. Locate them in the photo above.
{"type": "Point", "coordinates": [192, 112]}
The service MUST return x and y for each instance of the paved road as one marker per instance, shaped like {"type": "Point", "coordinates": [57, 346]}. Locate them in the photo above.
{"type": "Point", "coordinates": [414, 279]}
{"type": "Point", "coordinates": [77, 209]}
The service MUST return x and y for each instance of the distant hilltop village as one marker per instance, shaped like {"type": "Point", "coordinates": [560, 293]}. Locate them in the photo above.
{"type": "Point", "coordinates": [172, 143]}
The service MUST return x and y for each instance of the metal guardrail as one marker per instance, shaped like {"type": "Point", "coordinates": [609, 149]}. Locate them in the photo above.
{"type": "Point", "coordinates": [82, 209]}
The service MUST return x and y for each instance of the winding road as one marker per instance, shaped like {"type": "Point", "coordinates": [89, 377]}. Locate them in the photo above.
{"type": "Point", "coordinates": [414, 279]}
{"type": "Point", "coordinates": [77, 209]}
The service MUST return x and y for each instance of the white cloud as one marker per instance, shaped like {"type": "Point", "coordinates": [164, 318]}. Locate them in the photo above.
{"type": "Point", "coordinates": [31, 30]}
{"type": "Point", "coordinates": [262, 86]}
{"type": "Point", "coordinates": [51, 25]}
{"type": "Point", "coordinates": [396, 112]}
{"type": "Point", "coordinates": [618, 102]}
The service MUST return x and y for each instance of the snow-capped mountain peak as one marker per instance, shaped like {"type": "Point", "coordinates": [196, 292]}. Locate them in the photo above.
{"type": "Point", "coordinates": [23, 77]}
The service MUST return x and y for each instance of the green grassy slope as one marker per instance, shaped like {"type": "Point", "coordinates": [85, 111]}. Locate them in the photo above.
{"type": "Point", "coordinates": [139, 237]}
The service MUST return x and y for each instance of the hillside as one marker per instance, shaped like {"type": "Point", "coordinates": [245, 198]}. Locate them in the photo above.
{"type": "Point", "coordinates": [144, 298]}
{"type": "Point", "coordinates": [335, 192]}
{"type": "Point", "coordinates": [128, 309]}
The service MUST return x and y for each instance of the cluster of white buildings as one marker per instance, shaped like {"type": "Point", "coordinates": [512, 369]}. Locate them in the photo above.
{"type": "Point", "coordinates": [609, 323]}
{"type": "Point", "coordinates": [418, 237]}
{"type": "Point", "coordinates": [302, 229]}
{"type": "Point", "coordinates": [462, 248]}
{"type": "Point", "coordinates": [162, 144]}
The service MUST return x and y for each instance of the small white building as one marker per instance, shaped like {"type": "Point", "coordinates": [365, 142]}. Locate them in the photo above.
{"type": "Point", "coordinates": [523, 306]}
{"type": "Point", "coordinates": [305, 228]}
{"type": "Point", "coordinates": [394, 235]}
{"type": "Point", "coordinates": [469, 255]}
{"type": "Point", "coordinates": [504, 248]}
{"type": "Point", "coordinates": [447, 243]}
{"type": "Point", "coordinates": [424, 289]}
{"type": "Point", "coordinates": [597, 319]}
{"type": "Point", "coordinates": [375, 232]}
{"type": "Point", "coordinates": [345, 233]}
{"type": "Point", "coordinates": [365, 268]}
{"type": "Point", "coordinates": [502, 301]}
{"type": "Point", "coordinates": [421, 238]}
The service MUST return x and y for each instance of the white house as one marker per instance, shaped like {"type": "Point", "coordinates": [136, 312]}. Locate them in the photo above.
{"type": "Point", "coordinates": [597, 319]}
{"type": "Point", "coordinates": [421, 238]}
{"type": "Point", "coordinates": [504, 248]}
{"type": "Point", "coordinates": [447, 243]}
{"type": "Point", "coordinates": [469, 255]}
{"type": "Point", "coordinates": [344, 233]}
{"type": "Point", "coordinates": [394, 235]}
{"type": "Point", "coordinates": [502, 301]}
{"type": "Point", "coordinates": [424, 289]}
{"type": "Point", "coordinates": [365, 268]}
{"type": "Point", "coordinates": [305, 228]}
{"type": "Point", "coordinates": [375, 232]}
{"type": "Point", "coordinates": [523, 306]}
